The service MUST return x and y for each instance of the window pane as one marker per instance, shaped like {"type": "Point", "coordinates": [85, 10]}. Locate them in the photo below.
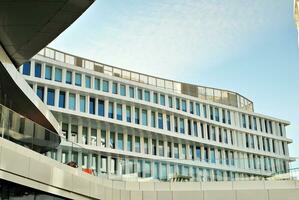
{"type": "Point", "coordinates": [101, 108]}
{"type": "Point", "coordinates": [160, 120]}
{"type": "Point", "coordinates": [62, 99]}
{"type": "Point", "coordinates": [105, 86]}
{"type": "Point", "coordinates": [82, 103]}
{"type": "Point", "coordinates": [97, 84]}
{"type": "Point", "coordinates": [26, 68]}
{"type": "Point", "coordinates": [40, 92]}
{"type": "Point", "coordinates": [87, 82]}
{"type": "Point", "coordinates": [50, 97]}
{"type": "Point", "coordinates": [131, 91]}
{"type": "Point", "coordinates": [58, 74]}
{"type": "Point", "coordinates": [110, 111]}
{"type": "Point", "coordinates": [146, 95]}
{"type": "Point", "coordinates": [114, 88]}
{"type": "Point", "coordinates": [91, 105]}
{"type": "Point", "coordinates": [68, 78]}
{"type": "Point", "coordinates": [78, 79]}
{"type": "Point", "coordinates": [128, 113]}
{"type": "Point", "coordinates": [119, 112]}
{"type": "Point", "coordinates": [162, 100]}
{"type": "Point", "coordinates": [144, 117]}
{"type": "Point", "coordinates": [38, 70]}
{"type": "Point", "coordinates": [122, 90]}
{"type": "Point", "coordinates": [48, 73]}
{"type": "Point", "coordinates": [72, 101]}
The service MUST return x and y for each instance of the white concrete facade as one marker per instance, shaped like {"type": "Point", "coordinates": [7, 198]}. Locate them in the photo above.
{"type": "Point", "coordinates": [132, 127]}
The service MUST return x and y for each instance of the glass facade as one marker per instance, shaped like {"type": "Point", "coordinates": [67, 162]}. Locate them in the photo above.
{"type": "Point", "coordinates": [101, 108]}
{"type": "Point", "coordinates": [58, 75]}
{"type": "Point", "coordinates": [51, 97]}
{"type": "Point", "coordinates": [40, 92]}
{"type": "Point", "coordinates": [61, 99]}
{"type": "Point", "coordinates": [69, 77]}
{"type": "Point", "coordinates": [72, 101]}
{"type": "Point", "coordinates": [82, 104]}
{"type": "Point", "coordinates": [78, 79]}
{"type": "Point", "coordinates": [87, 82]}
{"type": "Point", "coordinates": [38, 70]}
{"type": "Point", "coordinates": [26, 68]}
{"type": "Point", "coordinates": [48, 72]}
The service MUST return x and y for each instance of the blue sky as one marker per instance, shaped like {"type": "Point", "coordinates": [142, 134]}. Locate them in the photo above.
{"type": "Point", "coordinates": [245, 46]}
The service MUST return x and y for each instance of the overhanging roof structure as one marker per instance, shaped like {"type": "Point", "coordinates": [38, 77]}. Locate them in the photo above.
{"type": "Point", "coordinates": [26, 26]}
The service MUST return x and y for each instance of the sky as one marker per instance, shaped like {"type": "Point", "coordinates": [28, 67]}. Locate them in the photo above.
{"type": "Point", "coordinates": [250, 47]}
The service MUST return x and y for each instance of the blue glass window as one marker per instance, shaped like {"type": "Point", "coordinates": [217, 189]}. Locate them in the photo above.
{"type": "Point", "coordinates": [177, 103]}
{"type": "Point", "coordinates": [162, 100]}
{"type": "Point", "coordinates": [82, 103]}
{"type": "Point", "coordinates": [101, 108]}
{"type": "Point", "coordinates": [137, 120]}
{"type": "Point", "coordinates": [155, 98]}
{"type": "Point", "coordinates": [168, 122]}
{"type": "Point", "coordinates": [160, 120]}
{"type": "Point", "coordinates": [198, 154]}
{"type": "Point", "coordinates": [129, 143]}
{"type": "Point", "coordinates": [58, 74]}
{"type": "Point", "coordinates": [191, 107]}
{"type": "Point", "coordinates": [68, 78]}
{"type": "Point", "coordinates": [114, 88]}
{"type": "Point", "coordinates": [144, 117]}
{"type": "Point", "coordinates": [97, 84]}
{"type": "Point", "coordinates": [78, 79]}
{"type": "Point", "coordinates": [110, 110]}
{"type": "Point", "coordinates": [62, 99]}
{"type": "Point", "coordinates": [91, 105]}
{"type": "Point", "coordinates": [119, 111]}
{"type": "Point", "coordinates": [205, 111]}
{"type": "Point", "coordinates": [182, 126]}
{"type": "Point", "coordinates": [228, 117]}
{"type": "Point", "coordinates": [211, 112]}
{"type": "Point", "coordinates": [51, 97]}
{"type": "Point", "coordinates": [120, 141]}
{"type": "Point", "coordinates": [137, 144]}
{"type": "Point", "coordinates": [128, 113]}
{"type": "Point", "coordinates": [122, 90]}
{"type": "Point", "coordinates": [48, 72]}
{"type": "Point", "coordinates": [105, 86]}
{"type": "Point", "coordinates": [212, 152]}
{"type": "Point", "coordinates": [153, 119]}
{"type": "Point", "coordinates": [170, 102]}
{"type": "Point", "coordinates": [139, 94]}
{"type": "Point", "coordinates": [197, 109]}
{"type": "Point", "coordinates": [87, 82]}
{"type": "Point", "coordinates": [40, 92]}
{"type": "Point", "coordinates": [184, 105]}
{"type": "Point", "coordinates": [26, 68]}
{"type": "Point", "coordinates": [38, 70]}
{"type": "Point", "coordinates": [131, 91]}
{"type": "Point", "coordinates": [147, 95]}
{"type": "Point", "coordinates": [244, 120]}
{"type": "Point", "coordinates": [217, 114]}
{"type": "Point", "coordinates": [72, 101]}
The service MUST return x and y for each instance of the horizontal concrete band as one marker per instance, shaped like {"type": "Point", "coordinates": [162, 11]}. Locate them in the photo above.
{"type": "Point", "coordinates": [26, 167]}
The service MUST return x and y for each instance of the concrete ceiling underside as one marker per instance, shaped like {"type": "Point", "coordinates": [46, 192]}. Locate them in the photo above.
{"type": "Point", "coordinates": [26, 26]}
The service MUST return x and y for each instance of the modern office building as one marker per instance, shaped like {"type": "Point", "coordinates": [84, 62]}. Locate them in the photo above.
{"type": "Point", "coordinates": [127, 124]}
